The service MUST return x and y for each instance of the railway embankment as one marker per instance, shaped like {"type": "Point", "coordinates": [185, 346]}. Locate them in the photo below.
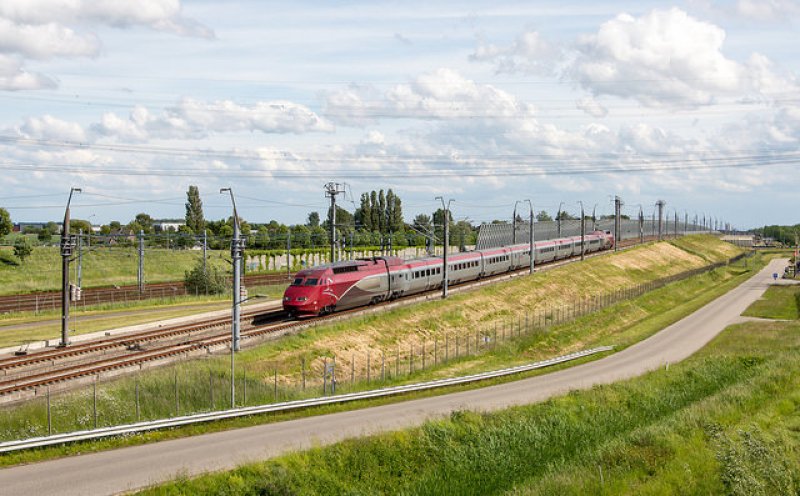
{"type": "Point", "coordinates": [610, 299]}
{"type": "Point", "coordinates": [723, 421]}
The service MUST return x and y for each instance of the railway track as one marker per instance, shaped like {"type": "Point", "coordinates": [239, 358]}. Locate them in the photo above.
{"type": "Point", "coordinates": [51, 300]}
{"type": "Point", "coordinates": [131, 353]}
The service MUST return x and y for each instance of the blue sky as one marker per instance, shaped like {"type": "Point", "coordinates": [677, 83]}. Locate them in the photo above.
{"type": "Point", "coordinates": [692, 102]}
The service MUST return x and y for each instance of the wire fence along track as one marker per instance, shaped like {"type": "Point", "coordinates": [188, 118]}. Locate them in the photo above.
{"type": "Point", "coordinates": [10, 446]}
{"type": "Point", "coordinates": [51, 300]}
{"type": "Point", "coordinates": [98, 365]}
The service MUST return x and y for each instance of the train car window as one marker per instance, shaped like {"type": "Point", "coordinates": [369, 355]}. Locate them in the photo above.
{"type": "Point", "coordinates": [298, 281]}
{"type": "Point", "coordinates": [428, 272]}
{"type": "Point", "coordinates": [311, 282]}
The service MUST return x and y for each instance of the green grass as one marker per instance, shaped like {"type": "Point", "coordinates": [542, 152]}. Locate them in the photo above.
{"type": "Point", "coordinates": [101, 266]}
{"type": "Point", "coordinates": [723, 422]}
{"type": "Point", "coordinates": [621, 324]}
{"type": "Point", "coordinates": [44, 327]}
{"type": "Point", "coordinates": [778, 302]}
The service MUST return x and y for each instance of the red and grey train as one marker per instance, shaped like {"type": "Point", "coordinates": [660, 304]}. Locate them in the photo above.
{"type": "Point", "coordinates": [354, 283]}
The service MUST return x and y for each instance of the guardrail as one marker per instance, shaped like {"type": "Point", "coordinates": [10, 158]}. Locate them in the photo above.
{"type": "Point", "coordinates": [36, 442]}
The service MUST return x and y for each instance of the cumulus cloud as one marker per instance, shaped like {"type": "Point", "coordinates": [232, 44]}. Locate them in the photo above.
{"type": "Point", "coordinates": [667, 58]}
{"type": "Point", "coordinates": [13, 77]}
{"type": "Point", "coordinates": [440, 95]}
{"type": "Point", "coordinates": [51, 128]}
{"type": "Point", "coordinates": [529, 53]}
{"type": "Point", "coordinates": [157, 14]}
{"type": "Point", "coordinates": [47, 29]}
{"type": "Point", "coordinates": [194, 119]}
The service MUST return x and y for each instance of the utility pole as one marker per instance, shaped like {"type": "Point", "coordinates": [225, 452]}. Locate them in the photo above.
{"type": "Point", "coordinates": [617, 212]}
{"type": "Point", "coordinates": [676, 223]}
{"type": "Point", "coordinates": [332, 190]}
{"type": "Point", "coordinates": [140, 273]}
{"type": "Point", "coordinates": [685, 221]}
{"type": "Point", "coordinates": [205, 248]}
{"type": "Point", "coordinates": [532, 242]}
{"type": "Point", "coordinates": [514, 225]}
{"type": "Point", "coordinates": [641, 225]}
{"type": "Point", "coordinates": [67, 245]}
{"type": "Point", "coordinates": [583, 248]}
{"type": "Point", "coordinates": [289, 252]}
{"type": "Point", "coordinates": [237, 250]}
{"type": "Point", "coordinates": [594, 218]}
{"type": "Point", "coordinates": [446, 208]}
{"type": "Point", "coordinates": [80, 257]}
{"type": "Point", "coordinates": [558, 219]}
{"type": "Point", "coordinates": [660, 204]}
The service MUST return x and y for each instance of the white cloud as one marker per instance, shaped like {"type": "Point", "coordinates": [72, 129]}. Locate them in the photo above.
{"type": "Point", "coordinates": [439, 95]}
{"type": "Point", "coordinates": [51, 128]}
{"type": "Point", "coordinates": [529, 53]}
{"type": "Point", "coordinates": [668, 58]}
{"type": "Point", "coordinates": [13, 77]}
{"type": "Point", "coordinates": [43, 41]}
{"type": "Point", "coordinates": [47, 29]}
{"type": "Point", "coordinates": [194, 119]}
{"type": "Point", "coordinates": [157, 14]}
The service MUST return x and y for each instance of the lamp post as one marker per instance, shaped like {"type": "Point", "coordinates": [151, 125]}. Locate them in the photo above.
{"type": "Point", "coordinates": [446, 208]}
{"type": "Point", "coordinates": [583, 249]}
{"type": "Point", "coordinates": [237, 249]}
{"type": "Point", "coordinates": [67, 245]}
{"type": "Point", "coordinates": [532, 241]}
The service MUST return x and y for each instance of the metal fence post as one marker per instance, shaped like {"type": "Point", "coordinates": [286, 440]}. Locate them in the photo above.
{"type": "Point", "coordinates": [303, 367]}
{"type": "Point", "coordinates": [324, 376]}
{"type": "Point", "coordinates": [244, 386]}
{"type": "Point", "coordinates": [275, 385]}
{"type": "Point", "coordinates": [177, 403]}
{"type": "Point", "coordinates": [138, 411]}
{"type": "Point", "coordinates": [94, 400]}
{"type": "Point", "coordinates": [49, 417]}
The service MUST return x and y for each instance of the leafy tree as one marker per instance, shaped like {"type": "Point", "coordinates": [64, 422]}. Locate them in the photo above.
{"type": "Point", "coordinates": [543, 216]}
{"type": "Point", "coordinates": [145, 222]}
{"type": "Point", "coordinates": [213, 281]}
{"type": "Point", "coordinates": [194, 210]}
{"type": "Point", "coordinates": [564, 215]}
{"type": "Point", "coordinates": [363, 215]}
{"type": "Point", "coordinates": [374, 213]}
{"type": "Point", "coordinates": [77, 225]}
{"type": "Point", "coordinates": [185, 238]}
{"type": "Point", "coordinates": [313, 219]}
{"type": "Point", "coordinates": [5, 222]}
{"type": "Point", "coordinates": [22, 248]}
{"type": "Point", "coordinates": [382, 221]}
{"type": "Point", "coordinates": [44, 236]}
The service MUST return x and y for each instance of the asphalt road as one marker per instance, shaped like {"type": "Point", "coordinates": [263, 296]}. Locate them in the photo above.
{"type": "Point", "coordinates": [126, 469]}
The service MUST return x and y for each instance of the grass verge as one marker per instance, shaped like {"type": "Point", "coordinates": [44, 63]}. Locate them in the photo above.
{"type": "Point", "coordinates": [778, 302]}
{"type": "Point", "coordinates": [722, 422]}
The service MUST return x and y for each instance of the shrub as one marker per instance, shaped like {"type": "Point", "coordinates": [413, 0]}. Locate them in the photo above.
{"type": "Point", "coordinates": [22, 248]}
{"type": "Point", "coordinates": [212, 281]}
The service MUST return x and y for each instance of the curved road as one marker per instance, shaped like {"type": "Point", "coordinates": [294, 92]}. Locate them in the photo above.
{"type": "Point", "coordinates": [126, 469]}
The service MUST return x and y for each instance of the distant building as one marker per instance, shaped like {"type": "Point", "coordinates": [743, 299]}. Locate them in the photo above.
{"type": "Point", "coordinates": [23, 226]}
{"type": "Point", "coordinates": [743, 240]}
{"type": "Point", "coordinates": [163, 225]}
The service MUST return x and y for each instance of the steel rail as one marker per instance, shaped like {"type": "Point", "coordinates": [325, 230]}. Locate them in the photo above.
{"type": "Point", "coordinates": [36, 442]}
{"type": "Point", "coordinates": [117, 341]}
